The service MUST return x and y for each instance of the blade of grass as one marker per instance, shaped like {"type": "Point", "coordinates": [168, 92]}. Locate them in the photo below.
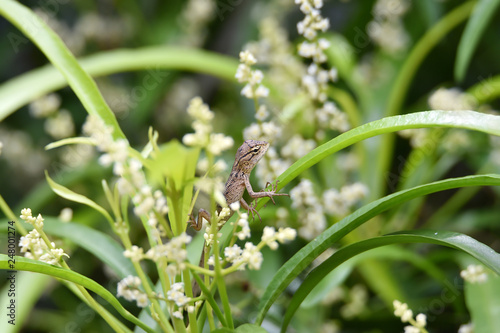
{"type": "Point", "coordinates": [479, 20]}
{"type": "Point", "coordinates": [456, 119]}
{"type": "Point", "coordinates": [308, 253]}
{"type": "Point", "coordinates": [446, 238]}
{"type": "Point", "coordinates": [24, 264]}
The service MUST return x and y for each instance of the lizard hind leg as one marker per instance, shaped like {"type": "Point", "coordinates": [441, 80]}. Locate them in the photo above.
{"type": "Point", "coordinates": [251, 209]}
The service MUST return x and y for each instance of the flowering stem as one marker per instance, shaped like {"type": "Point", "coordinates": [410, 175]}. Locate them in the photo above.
{"type": "Point", "coordinates": [219, 278]}
{"type": "Point", "coordinates": [193, 324]}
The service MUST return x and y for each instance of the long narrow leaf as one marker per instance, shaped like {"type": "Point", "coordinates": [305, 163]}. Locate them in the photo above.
{"type": "Point", "coordinates": [25, 264]}
{"type": "Point", "coordinates": [66, 193]}
{"type": "Point", "coordinates": [53, 47]}
{"type": "Point", "coordinates": [480, 17]}
{"type": "Point", "coordinates": [446, 238]}
{"type": "Point", "coordinates": [455, 119]}
{"type": "Point", "coordinates": [102, 246]}
{"type": "Point", "coordinates": [308, 253]}
{"type": "Point", "coordinates": [26, 87]}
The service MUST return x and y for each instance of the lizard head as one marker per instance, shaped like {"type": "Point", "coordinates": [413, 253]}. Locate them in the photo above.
{"type": "Point", "coordinates": [249, 154]}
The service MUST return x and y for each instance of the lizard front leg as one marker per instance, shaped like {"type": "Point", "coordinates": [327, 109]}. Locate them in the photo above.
{"type": "Point", "coordinates": [263, 194]}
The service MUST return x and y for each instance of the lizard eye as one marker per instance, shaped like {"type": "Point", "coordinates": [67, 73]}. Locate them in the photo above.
{"type": "Point", "coordinates": [255, 149]}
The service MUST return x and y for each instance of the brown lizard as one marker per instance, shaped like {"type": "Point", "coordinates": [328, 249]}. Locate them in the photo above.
{"type": "Point", "coordinates": [247, 157]}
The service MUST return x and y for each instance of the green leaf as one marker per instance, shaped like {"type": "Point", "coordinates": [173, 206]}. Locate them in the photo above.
{"type": "Point", "coordinates": [483, 302]}
{"type": "Point", "coordinates": [53, 47]}
{"type": "Point", "coordinates": [177, 164]}
{"type": "Point", "coordinates": [394, 252]}
{"type": "Point", "coordinates": [479, 20]}
{"type": "Point", "coordinates": [66, 193]}
{"type": "Point", "coordinates": [303, 258]}
{"type": "Point", "coordinates": [27, 87]}
{"type": "Point", "coordinates": [446, 238]}
{"type": "Point", "coordinates": [102, 246]}
{"type": "Point", "coordinates": [24, 264]}
{"type": "Point", "coordinates": [427, 119]}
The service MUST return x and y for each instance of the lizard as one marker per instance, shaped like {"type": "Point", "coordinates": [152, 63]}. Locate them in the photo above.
{"type": "Point", "coordinates": [247, 157]}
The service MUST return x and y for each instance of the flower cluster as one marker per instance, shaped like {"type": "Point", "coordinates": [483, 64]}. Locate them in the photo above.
{"type": "Point", "coordinates": [339, 203]}
{"type": "Point", "coordinates": [316, 79]}
{"type": "Point", "coordinates": [250, 255]}
{"type": "Point", "coordinates": [132, 180]}
{"type": "Point", "coordinates": [271, 237]}
{"type": "Point", "coordinates": [358, 298]}
{"type": "Point", "coordinates": [196, 15]}
{"type": "Point", "coordinates": [330, 117]}
{"type": "Point", "coordinates": [59, 123]}
{"type": "Point", "coordinates": [128, 288]}
{"type": "Point", "coordinates": [34, 246]}
{"type": "Point", "coordinates": [386, 29]}
{"type": "Point", "coordinates": [176, 294]}
{"type": "Point", "coordinates": [313, 21]}
{"type": "Point", "coordinates": [311, 213]}
{"type": "Point", "coordinates": [173, 252]}
{"type": "Point", "coordinates": [115, 151]}
{"type": "Point", "coordinates": [267, 131]}
{"type": "Point", "coordinates": [474, 274]}
{"type": "Point", "coordinates": [451, 100]}
{"type": "Point", "coordinates": [417, 325]}
{"type": "Point", "coordinates": [253, 89]}
{"type": "Point", "coordinates": [312, 209]}
{"type": "Point", "coordinates": [275, 50]}
{"type": "Point", "coordinates": [203, 137]}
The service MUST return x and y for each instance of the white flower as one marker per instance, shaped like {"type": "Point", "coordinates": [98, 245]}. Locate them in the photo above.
{"type": "Point", "coordinates": [66, 214]}
{"type": "Point", "coordinates": [128, 288]}
{"type": "Point", "coordinates": [135, 253]}
{"type": "Point", "coordinates": [252, 256]}
{"type": "Point", "coordinates": [474, 274]}
{"type": "Point", "coordinates": [451, 99]}
{"type": "Point", "coordinates": [45, 106]}
{"type": "Point", "coordinates": [262, 113]}
{"type": "Point", "coordinates": [466, 328]}
{"type": "Point", "coordinates": [245, 228]}
{"type": "Point", "coordinates": [297, 147]}
{"type": "Point", "coordinates": [252, 78]}
{"type": "Point", "coordinates": [421, 320]}
{"type": "Point", "coordinates": [233, 253]}
{"type": "Point", "coordinates": [269, 238]}
{"type": "Point", "coordinates": [219, 143]}
{"type": "Point", "coordinates": [176, 294]}
{"type": "Point", "coordinates": [247, 58]}
{"type": "Point", "coordinates": [235, 206]}
{"type": "Point", "coordinates": [61, 125]}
